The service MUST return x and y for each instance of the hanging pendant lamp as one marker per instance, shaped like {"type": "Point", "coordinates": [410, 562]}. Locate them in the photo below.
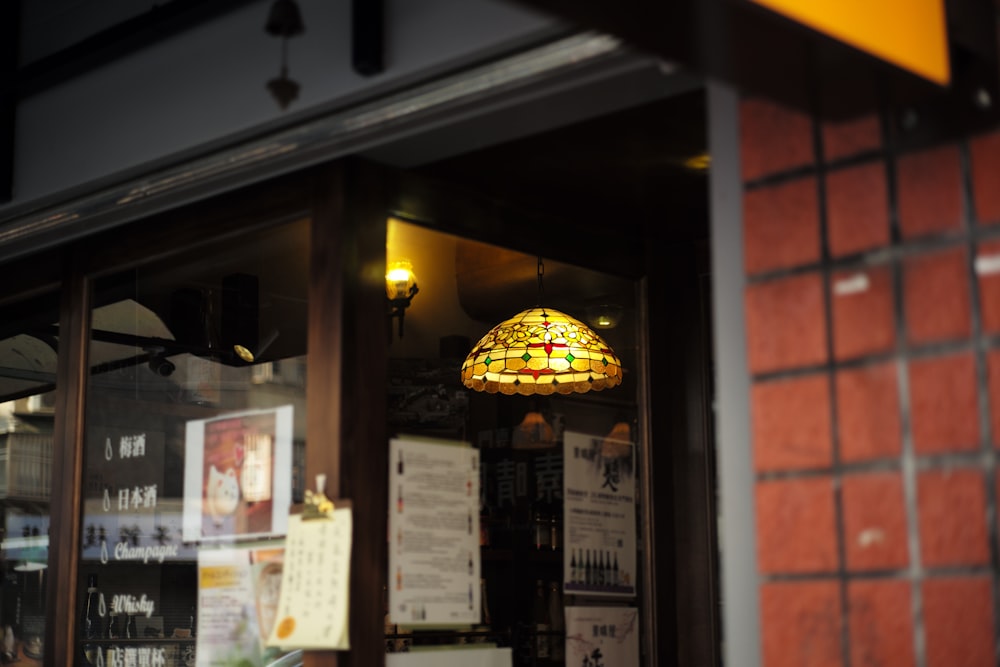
{"type": "Point", "coordinates": [541, 351]}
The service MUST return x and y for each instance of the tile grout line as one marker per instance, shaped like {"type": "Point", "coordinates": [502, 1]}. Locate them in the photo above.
{"type": "Point", "coordinates": [836, 478]}
{"type": "Point", "coordinates": [907, 457]}
{"type": "Point", "coordinates": [986, 435]}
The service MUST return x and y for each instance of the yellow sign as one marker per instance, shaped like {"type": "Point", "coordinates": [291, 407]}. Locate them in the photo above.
{"type": "Point", "coordinates": [910, 34]}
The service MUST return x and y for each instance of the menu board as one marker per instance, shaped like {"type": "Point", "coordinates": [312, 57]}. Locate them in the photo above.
{"type": "Point", "coordinates": [599, 636]}
{"type": "Point", "coordinates": [237, 475]}
{"type": "Point", "coordinates": [434, 561]}
{"type": "Point", "coordinates": [599, 516]}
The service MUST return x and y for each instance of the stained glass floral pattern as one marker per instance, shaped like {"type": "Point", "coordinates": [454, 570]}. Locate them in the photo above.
{"type": "Point", "coordinates": [541, 351]}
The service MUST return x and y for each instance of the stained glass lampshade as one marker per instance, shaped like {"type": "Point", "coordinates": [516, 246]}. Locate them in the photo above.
{"type": "Point", "coordinates": [541, 351]}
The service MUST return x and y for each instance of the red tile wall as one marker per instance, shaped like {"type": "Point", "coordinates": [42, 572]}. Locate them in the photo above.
{"type": "Point", "coordinates": [873, 338]}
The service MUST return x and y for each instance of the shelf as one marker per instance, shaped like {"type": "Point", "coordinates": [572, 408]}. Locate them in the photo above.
{"type": "Point", "coordinates": [141, 640]}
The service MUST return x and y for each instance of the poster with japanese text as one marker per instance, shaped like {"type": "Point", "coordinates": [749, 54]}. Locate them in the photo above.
{"type": "Point", "coordinates": [238, 475]}
{"type": "Point", "coordinates": [434, 560]}
{"type": "Point", "coordinates": [238, 591]}
{"type": "Point", "coordinates": [602, 637]}
{"type": "Point", "coordinates": [599, 516]}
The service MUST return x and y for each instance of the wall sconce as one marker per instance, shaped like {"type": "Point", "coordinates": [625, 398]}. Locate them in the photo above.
{"type": "Point", "coordinates": [400, 288]}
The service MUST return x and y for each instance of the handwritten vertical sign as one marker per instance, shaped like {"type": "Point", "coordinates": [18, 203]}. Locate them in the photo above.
{"type": "Point", "coordinates": [313, 604]}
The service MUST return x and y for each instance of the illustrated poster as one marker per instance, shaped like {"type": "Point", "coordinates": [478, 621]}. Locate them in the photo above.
{"type": "Point", "coordinates": [238, 592]}
{"type": "Point", "coordinates": [237, 475]}
{"type": "Point", "coordinates": [434, 533]}
{"type": "Point", "coordinates": [599, 516]}
{"type": "Point", "coordinates": [602, 637]}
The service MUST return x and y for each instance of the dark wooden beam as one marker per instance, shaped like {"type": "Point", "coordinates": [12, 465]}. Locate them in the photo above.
{"type": "Point", "coordinates": [367, 36]}
{"type": "Point", "coordinates": [67, 472]}
{"type": "Point", "coordinates": [118, 41]}
{"type": "Point", "coordinates": [10, 28]}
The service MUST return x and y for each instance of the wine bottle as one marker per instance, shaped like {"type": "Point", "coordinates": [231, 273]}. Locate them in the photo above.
{"type": "Point", "coordinates": [557, 640]}
{"type": "Point", "coordinates": [599, 568]}
{"type": "Point", "coordinates": [588, 572]}
{"type": "Point", "coordinates": [130, 631]}
{"type": "Point", "coordinates": [614, 571]}
{"type": "Point", "coordinates": [91, 613]}
{"type": "Point", "coordinates": [114, 629]}
{"type": "Point", "coordinates": [572, 567]}
{"type": "Point", "coordinates": [540, 523]}
{"type": "Point", "coordinates": [540, 614]}
{"type": "Point", "coordinates": [555, 525]}
{"type": "Point", "coordinates": [609, 579]}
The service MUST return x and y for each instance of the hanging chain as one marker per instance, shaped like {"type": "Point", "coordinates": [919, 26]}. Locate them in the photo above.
{"type": "Point", "coordinates": [541, 272]}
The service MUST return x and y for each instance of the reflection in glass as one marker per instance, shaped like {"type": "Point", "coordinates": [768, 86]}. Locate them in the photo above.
{"type": "Point", "coordinates": [28, 355]}
{"type": "Point", "coordinates": [194, 444]}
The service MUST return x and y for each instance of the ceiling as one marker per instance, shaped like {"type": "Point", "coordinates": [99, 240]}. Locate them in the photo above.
{"type": "Point", "coordinates": [623, 169]}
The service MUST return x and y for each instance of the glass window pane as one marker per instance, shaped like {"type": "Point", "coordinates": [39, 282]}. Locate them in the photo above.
{"type": "Point", "coordinates": [558, 468]}
{"type": "Point", "coordinates": [195, 436]}
{"type": "Point", "coordinates": [28, 355]}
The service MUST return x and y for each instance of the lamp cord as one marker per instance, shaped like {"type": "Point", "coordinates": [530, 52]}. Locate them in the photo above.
{"type": "Point", "coordinates": [541, 289]}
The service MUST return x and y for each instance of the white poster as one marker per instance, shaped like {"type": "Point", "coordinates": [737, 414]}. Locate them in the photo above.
{"type": "Point", "coordinates": [599, 515]}
{"type": "Point", "coordinates": [433, 533]}
{"type": "Point", "coordinates": [602, 637]}
{"type": "Point", "coordinates": [238, 475]}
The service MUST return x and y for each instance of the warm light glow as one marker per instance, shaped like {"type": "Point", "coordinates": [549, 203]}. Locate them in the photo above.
{"type": "Point", "coordinates": [533, 433]}
{"type": "Point", "coordinates": [399, 279]}
{"type": "Point", "coordinates": [256, 477]}
{"type": "Point", "coordinates": [541, 351]}
{"type": "Point", "coordinates": [618, 442]}
{"type": "Point", "coordinates": [604, 316]}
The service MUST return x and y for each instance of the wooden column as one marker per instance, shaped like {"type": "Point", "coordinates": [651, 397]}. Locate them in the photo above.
{"type": "Point", "coordinates": [346, 386]}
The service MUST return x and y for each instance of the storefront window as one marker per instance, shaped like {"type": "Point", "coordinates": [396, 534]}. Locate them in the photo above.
{"type": "Point", "coordinates": [514, 516]}
{"type": "Point", "coordinates": [194, 451]}
{"type": "Point", "coordinates": [28, 354]}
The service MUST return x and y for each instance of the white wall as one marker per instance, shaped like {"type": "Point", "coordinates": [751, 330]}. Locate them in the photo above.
{"type": "Point", "coordinates": [208, 86]}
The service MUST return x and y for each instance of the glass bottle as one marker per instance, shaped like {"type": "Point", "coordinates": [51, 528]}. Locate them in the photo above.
{"type": "Point", "coordinates": [114, 629]}
{"type": "Point", "coordinates": [130, 631]}
{"type": "Point", "coordinates": [91, 613]}
{"type": "Point", "coordinates": [555, 524]}
{"type": "Point", "coordinates": [572, 567]}
{"type": "Point", "coordinates": [540, 615]}
{"type": "Point", "coordinates": [614, 572]}
{"type": "Point", "coordinates": [557, 640]}
{"type": "Point", "coordinates": [540, 523]}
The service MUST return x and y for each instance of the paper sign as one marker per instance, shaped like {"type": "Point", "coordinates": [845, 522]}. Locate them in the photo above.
{"type": "Point", "coordinates": [461, 657]}
{"type": "Point", "coordinates": [434, 555]}
{"type": "Point", "coordinates": [599, 527]}
{"type": "Point", "coordinates": [313, 606]}
{"type": "Point", "coordinates": [599, 636]}
{"type": "Point", "coordinates": [237, 599]}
